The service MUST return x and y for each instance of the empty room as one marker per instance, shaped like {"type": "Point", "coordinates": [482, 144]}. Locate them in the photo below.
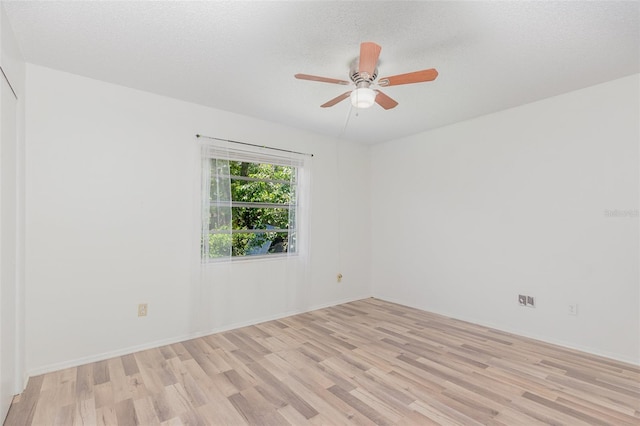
{"type": "Point", "coordinates": [319, 212]}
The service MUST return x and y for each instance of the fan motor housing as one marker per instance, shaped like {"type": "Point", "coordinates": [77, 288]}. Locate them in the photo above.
{"type": "Point", "coordinates": [358, 78]}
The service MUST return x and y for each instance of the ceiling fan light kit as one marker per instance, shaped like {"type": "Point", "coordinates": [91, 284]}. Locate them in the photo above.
{"type": "Point", "coordinates": [363, 97]}
{"type": "Point", "coordinates": [363, 74]}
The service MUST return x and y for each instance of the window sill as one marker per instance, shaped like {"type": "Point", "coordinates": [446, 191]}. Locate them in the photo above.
{"type": "Point", "coordinates": [245, 259]}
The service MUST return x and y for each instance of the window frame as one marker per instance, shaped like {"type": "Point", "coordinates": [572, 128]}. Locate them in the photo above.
{"type": "Point", "coordinates": [208, 160]}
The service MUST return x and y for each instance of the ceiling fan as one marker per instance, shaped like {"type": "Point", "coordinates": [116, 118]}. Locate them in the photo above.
{"type": "Point", "coordinates": [363, 74]}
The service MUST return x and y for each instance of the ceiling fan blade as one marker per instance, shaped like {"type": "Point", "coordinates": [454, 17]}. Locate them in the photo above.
{"type": "Point", "coordinates": [321, 79]}
{"type": "Point", "coordinates": [412, 77]}
{"type": "Point", "coordinates": [385, 101]}
{"type": "Point", "coordinates": [335, 100]}
{"type": "Point", "coordinates": [369, 53]}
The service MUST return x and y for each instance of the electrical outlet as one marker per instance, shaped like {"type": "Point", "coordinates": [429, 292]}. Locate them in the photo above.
{"type": "Point", "coordinates": [339, 277]}
{"type": "Point", "coordinates": [573, 309]}
{"type": "Point", "coordinates": [522, 300]}
{"type": "Point", "coordinates": [531, 301]}
{"type": "Point", "coordinates": [142, 310]}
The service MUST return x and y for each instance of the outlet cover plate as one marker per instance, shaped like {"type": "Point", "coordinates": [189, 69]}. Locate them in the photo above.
{"type": "Point", "coordinates": [142, 310]}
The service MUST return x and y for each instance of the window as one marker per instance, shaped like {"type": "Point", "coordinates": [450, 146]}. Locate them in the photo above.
{"type": "Point", "coordinates": [249, 204]}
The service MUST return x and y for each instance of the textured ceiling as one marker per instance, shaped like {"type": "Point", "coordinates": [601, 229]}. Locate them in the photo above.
{"type": "Point", "coordinates": [241, 56]}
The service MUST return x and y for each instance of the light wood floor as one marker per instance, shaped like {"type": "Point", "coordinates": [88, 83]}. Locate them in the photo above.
{"type": "Point", "coordinates": [366, 362]}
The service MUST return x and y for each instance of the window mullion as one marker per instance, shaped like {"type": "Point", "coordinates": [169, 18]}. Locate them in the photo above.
{"type": "Point", "coordinates": [252, 179]}
{"type": "Point", "coordinates": [250, 231]}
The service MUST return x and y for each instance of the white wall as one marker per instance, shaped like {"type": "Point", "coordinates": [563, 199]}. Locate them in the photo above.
{"type": "Point", "coordinates": [112, 198]}
{"type": "Point", "coordinates": [481, 211]}
{"type": "Point", "coordinates": [467, 217]}
{"type": "Point", "coordinates": [12, 370]}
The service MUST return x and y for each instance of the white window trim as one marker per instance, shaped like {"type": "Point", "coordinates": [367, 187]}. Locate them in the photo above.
{"type": "Point", "coordinates": [226, 152]}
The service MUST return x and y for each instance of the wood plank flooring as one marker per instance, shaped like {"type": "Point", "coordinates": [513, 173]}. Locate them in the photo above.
{"type": "Point", "coordinates": [366, 362]}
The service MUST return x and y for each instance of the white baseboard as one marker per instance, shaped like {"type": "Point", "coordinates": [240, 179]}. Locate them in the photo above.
{"type": "Point", "coordinates": [546, 339]}
{"type": "Point", "coordinates": [163, 342]}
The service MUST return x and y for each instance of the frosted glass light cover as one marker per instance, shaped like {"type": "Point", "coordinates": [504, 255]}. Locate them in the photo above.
{"type": "Point", "coordinates": [363, 97]}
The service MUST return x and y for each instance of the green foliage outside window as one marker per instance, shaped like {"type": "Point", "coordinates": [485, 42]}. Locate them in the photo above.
{"type": "Point", "coordinates": [265, 184]}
